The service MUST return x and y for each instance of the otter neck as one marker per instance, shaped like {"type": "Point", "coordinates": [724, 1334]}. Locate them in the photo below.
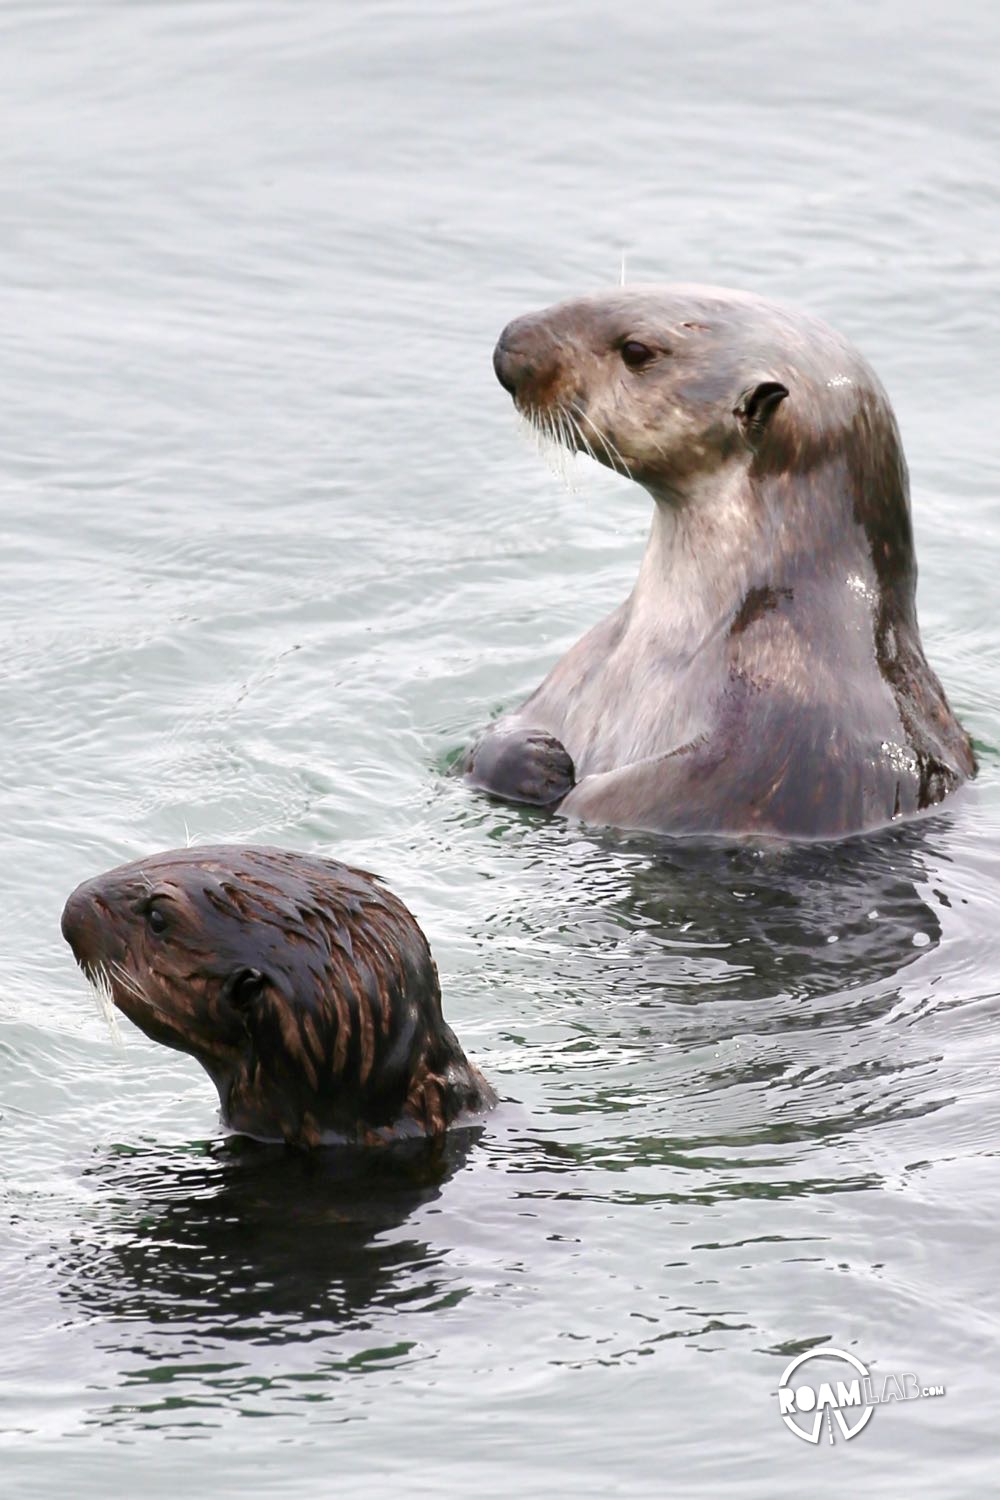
{"type": "Point", "coordinates": [704, 550]}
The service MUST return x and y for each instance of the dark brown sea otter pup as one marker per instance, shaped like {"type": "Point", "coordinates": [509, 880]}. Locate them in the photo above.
{"type": "Point", "coordinates": [304, 988]}
{"type": "Point", "coordinates": [765, 676]}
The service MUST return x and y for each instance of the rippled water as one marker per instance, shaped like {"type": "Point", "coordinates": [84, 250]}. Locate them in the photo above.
{"type": "Point", "coordinates": [272, 552]}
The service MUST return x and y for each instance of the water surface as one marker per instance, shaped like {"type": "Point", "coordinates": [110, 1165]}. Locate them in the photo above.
{"type": "Point", "coordinates": [273, 551]}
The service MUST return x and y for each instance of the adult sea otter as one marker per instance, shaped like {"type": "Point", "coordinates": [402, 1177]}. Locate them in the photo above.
{"type": "Point", "coordinates": [765, 676]}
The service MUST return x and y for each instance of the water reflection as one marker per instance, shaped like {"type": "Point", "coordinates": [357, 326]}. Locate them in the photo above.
{"type": "Point", "coordinates": [803, 920]}
{"type": "Point", "coordinates": [253, 1243]}
{"type": "Point", "coordinates": [696, 925]}
{"type": "Point", "coordinates": [734, 1019]}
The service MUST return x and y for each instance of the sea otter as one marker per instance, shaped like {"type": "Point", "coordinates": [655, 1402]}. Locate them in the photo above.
{"type": "Point", "coordinates": [303, 987]}
{"type": "Point", "coordinates": [766, 675]}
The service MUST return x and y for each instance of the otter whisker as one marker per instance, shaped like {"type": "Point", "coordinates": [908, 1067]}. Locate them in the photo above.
{"type": "Point", "coordinates": [615, 459]}
{"type": "Point", "coordinates": [101, 986]}
{"type": "Point", "coordinates": [580, 415]}
{"type": "Point", "coordinates": [130, 984]}
{"type": "Point", "coordinates": [548, 437]}
{"type": "Point", "coordinates": [581, 436]}
{"type": "Point", "coordinates": [125, 979]}
{"type": "Point", "coordinates": [568, 429]}
{"type": "Point", "coordinates": [567, 449]}
{"type": "Point", "coordinates": [559, 426]}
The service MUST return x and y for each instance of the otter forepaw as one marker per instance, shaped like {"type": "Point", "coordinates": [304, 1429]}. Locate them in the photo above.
{"type": "Point", "coordinates": [521, 765]}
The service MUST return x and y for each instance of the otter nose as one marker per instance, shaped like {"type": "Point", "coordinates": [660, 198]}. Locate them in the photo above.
{"type": "Point", "coordinates": [507, 367]}
{"type": "Point", "coordinates": [523, 354]}
{"type": "Point", "coordinates": [80, 923]}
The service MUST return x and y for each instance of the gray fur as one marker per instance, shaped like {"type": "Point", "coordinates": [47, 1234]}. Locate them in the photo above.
{"type": "Point", "coordinates": [766, 674]}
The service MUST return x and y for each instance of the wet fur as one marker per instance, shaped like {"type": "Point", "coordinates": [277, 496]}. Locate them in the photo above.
{"type": "Point", "coordinates": [343, 1038]}
{"type": "Point", "coordinates": [766, 673]}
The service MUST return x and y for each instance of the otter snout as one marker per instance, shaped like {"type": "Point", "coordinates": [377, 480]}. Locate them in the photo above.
{"type": "Point", "coordinates": [82, 926]}
{"type": "Point", "coordinates": [527, 360]}
{"type": "Point", "coordinates": [509, 366]}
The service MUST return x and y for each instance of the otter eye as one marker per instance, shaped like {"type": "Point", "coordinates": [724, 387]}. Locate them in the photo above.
{"type": "Point", "coordinates": [636, 354]}
{"type": "Point", "coordinates": [156, 919]}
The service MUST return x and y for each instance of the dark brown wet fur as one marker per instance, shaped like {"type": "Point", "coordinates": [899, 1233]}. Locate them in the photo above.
{"type": "Point", "coordinates": [766, 675]}
{"type": "Point", "coordinates": [304, 988]}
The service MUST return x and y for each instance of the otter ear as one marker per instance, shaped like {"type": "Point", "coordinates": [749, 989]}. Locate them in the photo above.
{"type": "Point", "coordinates": [754, 408]}
{"type": "Point", "coordinates": [244, 988]}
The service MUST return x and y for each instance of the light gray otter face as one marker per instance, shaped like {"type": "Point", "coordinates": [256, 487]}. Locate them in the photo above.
{"type": "Point", "coordinates": [673, 384]}
{"type": "Point", "coordinates": [304, 988]}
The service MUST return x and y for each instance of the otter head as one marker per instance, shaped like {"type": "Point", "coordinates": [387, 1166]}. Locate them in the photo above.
{"type": "Point", "coordinates": [727, 407]}
{"type": "Point", "coordinates": [305, 989]}
{"type": "Point", "coordinates": [676, 384]}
